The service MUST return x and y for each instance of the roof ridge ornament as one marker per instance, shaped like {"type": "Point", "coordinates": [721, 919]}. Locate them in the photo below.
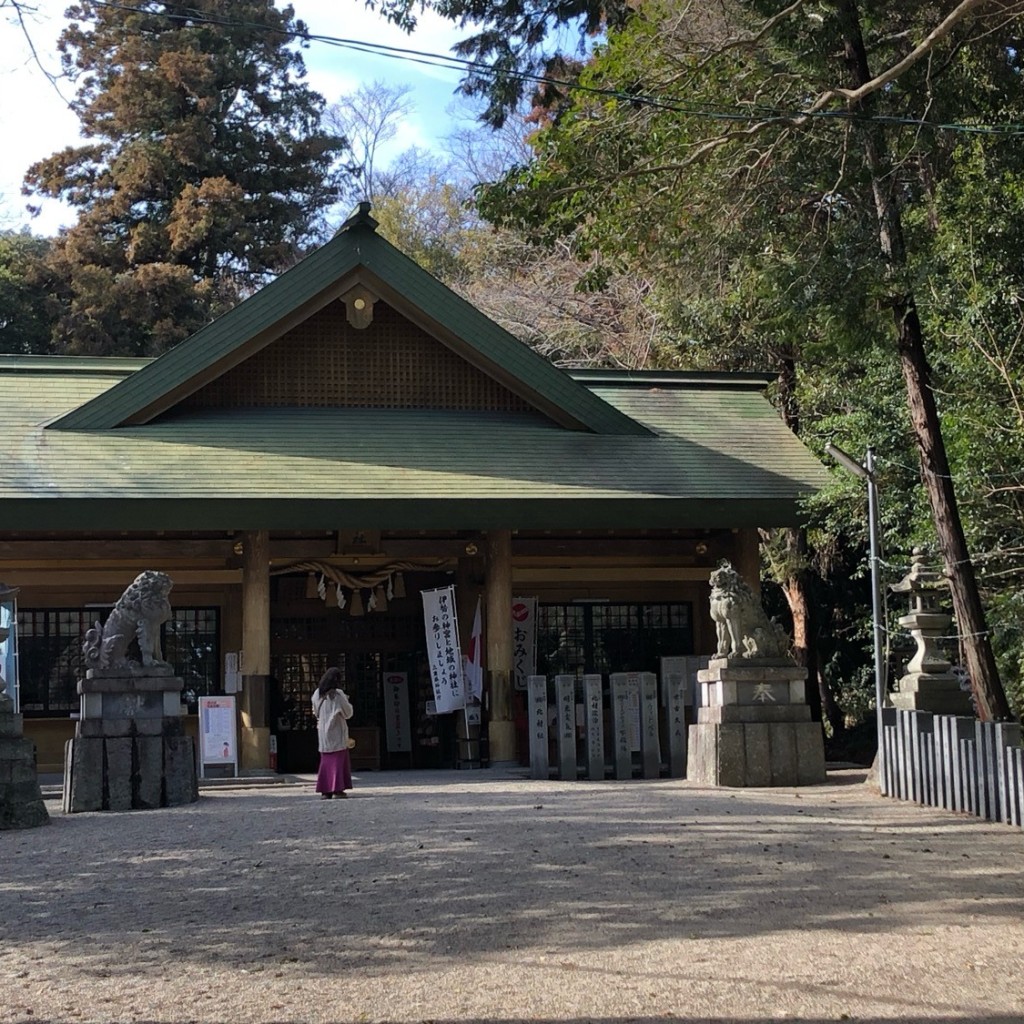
{"type": "Point", "coordinates": [360, 217]}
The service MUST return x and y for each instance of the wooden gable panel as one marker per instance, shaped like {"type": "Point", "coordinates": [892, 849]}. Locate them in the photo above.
{"type": "Point", "coordinates": [326, 362]}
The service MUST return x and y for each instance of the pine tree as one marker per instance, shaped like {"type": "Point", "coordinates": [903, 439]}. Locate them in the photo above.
{"type": "Point", "coordinates": [206, 169]}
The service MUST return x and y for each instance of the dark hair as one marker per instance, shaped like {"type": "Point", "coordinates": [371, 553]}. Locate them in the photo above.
{"type": "Point", "coordinates": [330, 680]}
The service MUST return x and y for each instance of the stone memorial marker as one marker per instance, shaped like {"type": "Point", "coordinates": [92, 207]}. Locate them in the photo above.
{"type": "Point", "coordinates": [650, 743]}
{"type": "Point", "coordinates": [754, 727]}
{"type": "Point", "coordinates": [595, 726]}
{"type": "Point", "coordinates": [621, 719]}
{"type": "Point", "coordinates": [565, 702]}
{"type": "Point", "coordinates": [130, 750]}
{"type": "Point", "coordinates": [674, 687]}
{"type": "Point", "coordinates": [537, 699]}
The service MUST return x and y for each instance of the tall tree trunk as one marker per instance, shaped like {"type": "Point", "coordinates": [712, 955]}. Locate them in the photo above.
{"type": "Point", "coordinates": [797, 576]}
{"type": "Point", "coordinates": [990, 700]}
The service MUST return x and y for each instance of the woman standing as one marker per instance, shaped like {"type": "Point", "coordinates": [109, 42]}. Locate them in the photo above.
{"type": "Point", "coordinates": [333, 710]}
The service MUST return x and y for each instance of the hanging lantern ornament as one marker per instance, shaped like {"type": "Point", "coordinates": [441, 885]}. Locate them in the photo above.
{"type": "Point", "coordinates": [399, 585]}
{"type": "Point", "coordinates": [356, 607]}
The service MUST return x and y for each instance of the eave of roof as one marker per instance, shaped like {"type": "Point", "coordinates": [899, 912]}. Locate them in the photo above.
{"type": "Point", "coordinates": [712, 455]}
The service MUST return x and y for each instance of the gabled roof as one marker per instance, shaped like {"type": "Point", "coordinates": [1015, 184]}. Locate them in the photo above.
{"type": "Point", "coordinates": [357, 255]}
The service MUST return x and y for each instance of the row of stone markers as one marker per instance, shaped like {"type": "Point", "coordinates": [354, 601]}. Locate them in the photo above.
{"type": "Point", "coordinates": [753, 726]}
{"type": "Point", "coordinates": [630, 725]}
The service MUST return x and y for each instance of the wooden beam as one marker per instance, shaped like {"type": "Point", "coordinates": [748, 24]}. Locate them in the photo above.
{"type": "Point", "coordinates": [601, 547]}
{"type": "Point", "coordinates": [87, 551]}
{"type": "Point", "coordinates": [113, 577]}
{"type": "Point", "coordinates": [608, 574]}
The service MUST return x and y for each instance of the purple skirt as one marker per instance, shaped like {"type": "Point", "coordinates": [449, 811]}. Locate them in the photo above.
{"type": "Point", "coordinates": [335, 773]}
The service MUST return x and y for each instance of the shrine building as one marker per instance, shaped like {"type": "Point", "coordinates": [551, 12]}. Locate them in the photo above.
{"type": "Point", "coordinates": [350, 436]}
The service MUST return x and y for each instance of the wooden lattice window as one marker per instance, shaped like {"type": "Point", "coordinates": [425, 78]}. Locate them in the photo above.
{"type": "Point", "coordinates": [325, 362]}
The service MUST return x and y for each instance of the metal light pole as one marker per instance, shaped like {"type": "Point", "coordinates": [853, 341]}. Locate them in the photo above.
{"type": "Point", "coordinates": [867, 472]}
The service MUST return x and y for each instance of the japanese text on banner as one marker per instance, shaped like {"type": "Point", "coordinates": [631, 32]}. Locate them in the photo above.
{"type": "Point", "coordinates": [524, 639]}
{"type": "Point", "coordinates": [443, 648]}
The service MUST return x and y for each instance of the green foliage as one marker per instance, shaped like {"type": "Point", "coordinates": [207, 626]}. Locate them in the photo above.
{"type": "Point", "coordinates": [513, 40]}
{"type": "Point", "coordinates": [26, 313]}
{"type": "Point", "coordinates": [206, 169]}
{"type": "Point", "coordinates": [428, 219]}
{"type": "Point", "coordinates": [759, 224]}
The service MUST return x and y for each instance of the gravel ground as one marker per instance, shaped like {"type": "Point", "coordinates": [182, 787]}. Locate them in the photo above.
{"type": "Point", "coordinates": [484, 896]}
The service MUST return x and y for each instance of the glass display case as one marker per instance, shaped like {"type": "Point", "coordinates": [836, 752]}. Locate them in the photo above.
{"type": "Point", "coordinates": [9, 642]}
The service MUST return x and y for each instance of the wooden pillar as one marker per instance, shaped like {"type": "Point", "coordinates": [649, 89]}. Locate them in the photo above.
{"type": "Point", "coordinates": [748, 558]}
{"type": "Point", "coordinates": [498, 590]}
{"type": "Point", "coordinates": [255, 732]}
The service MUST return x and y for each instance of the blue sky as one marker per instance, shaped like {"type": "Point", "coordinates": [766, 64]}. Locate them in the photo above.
{"type": "Point", "coordinates": [35, 121]}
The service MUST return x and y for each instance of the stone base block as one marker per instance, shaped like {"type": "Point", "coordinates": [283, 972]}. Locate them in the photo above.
{"type": "Point", "coordinates": [756, 753]}
{"type": "Point", "coordinates": [756, 713]}
{"type": "Point", "coordinates": [129, 773]}
{"type": "Point", "coordinates": [21, 801]}
{"type": "Point", "coordinates": [940, 695]}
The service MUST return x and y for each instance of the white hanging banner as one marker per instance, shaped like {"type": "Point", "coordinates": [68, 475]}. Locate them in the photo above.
{"type": "Point", "coordinates": [443, 648]}
{"type": "Point", "coordinates": [396, 712]}
{"type": "Point", "coordinates": [524, 640]}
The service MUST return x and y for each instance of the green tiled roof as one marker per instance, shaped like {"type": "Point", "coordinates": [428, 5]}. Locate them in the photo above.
{"type": "Point", "coordinates": [356, 253]}
{"type": "Point", "coordinates": [713, 453]}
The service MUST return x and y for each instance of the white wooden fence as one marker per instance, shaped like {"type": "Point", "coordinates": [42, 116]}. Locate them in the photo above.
{"type": "Point", "coordinates": [955, 763]}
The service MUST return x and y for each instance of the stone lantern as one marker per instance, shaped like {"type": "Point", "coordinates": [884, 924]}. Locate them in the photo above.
{"type": "Point", "coordinates": [929, 683]}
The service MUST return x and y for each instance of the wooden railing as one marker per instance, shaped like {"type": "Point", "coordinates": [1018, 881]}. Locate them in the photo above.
{"type": "Point", "coordinates": [955, 763]}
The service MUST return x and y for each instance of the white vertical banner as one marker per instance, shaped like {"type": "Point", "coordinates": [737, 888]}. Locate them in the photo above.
{"type": "Point", "coordinates": [396, 712]}
{"type": "Point", "coordinates": [232, 675]}
{"type": "Point", "coordinates": [443, 648]}
{"type": "Point", "coordinates": [524, 640]}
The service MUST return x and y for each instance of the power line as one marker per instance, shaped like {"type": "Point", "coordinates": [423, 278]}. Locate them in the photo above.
{"type": "Point", "coordinates": [452, 63]}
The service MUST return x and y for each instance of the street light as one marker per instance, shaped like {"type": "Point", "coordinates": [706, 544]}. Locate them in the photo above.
{"type": "Point", "coordinates": [867, 472]}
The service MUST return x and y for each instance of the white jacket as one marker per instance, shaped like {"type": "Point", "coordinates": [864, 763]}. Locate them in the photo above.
{"type": "Point", "coordinates": [332, 714]}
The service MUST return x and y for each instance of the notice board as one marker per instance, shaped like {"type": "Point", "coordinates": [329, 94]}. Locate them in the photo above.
{"type": "Point", "coordinates": [218, 733]}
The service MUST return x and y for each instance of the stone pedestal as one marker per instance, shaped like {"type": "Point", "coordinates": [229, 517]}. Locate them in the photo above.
{"type": "Point", "coordinates": [130, 750]}
{"type": "Point", "coordinates": [21, 801]}
{"type": "Point", "coordinates": [939, 693]}
{"type": "Point", "coordinates": [754, 727]}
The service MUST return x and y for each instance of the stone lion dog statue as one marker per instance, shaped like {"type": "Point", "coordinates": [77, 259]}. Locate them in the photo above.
{"type": "Point", "coordinates": [743, 629]}
{"type": "Point", "coordinates": [138, 615]}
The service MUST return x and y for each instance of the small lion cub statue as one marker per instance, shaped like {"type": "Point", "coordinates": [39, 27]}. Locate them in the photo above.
{"type": "Point", "coordinates": [743, 628]}
{"type": "Point", "coordinates": [138, 615]}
